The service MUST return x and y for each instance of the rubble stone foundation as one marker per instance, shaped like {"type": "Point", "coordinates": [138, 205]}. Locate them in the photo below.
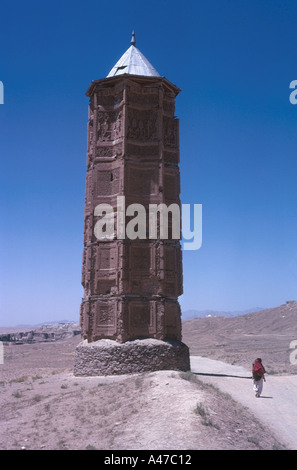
{"type": "Point", "coordinates": [108, 357]}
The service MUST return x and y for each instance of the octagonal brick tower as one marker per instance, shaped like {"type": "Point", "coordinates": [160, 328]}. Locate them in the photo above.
{"type": "Point", "coordinates": [131, 286]}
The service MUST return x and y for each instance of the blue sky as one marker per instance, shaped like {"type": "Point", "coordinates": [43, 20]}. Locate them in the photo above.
{"type": "Point", "coordinates": [233, 60]}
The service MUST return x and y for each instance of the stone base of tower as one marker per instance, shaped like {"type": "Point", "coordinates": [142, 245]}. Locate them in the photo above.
{"type": "Point", "coordinates": [108, 357]}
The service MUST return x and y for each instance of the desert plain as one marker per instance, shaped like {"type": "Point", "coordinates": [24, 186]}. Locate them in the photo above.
{"type": "Point", "coordinates": [45, 407]}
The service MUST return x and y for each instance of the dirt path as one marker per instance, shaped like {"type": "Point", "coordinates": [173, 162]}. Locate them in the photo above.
{"type": "Point", "coordinates": [277, 408]}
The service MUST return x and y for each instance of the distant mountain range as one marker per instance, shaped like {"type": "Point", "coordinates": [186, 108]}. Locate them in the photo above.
{"type": "Point", "coordinates": [191, 314]}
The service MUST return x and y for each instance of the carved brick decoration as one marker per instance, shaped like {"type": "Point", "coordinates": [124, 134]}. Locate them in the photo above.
{"type": "Point", "coordinates": [131, 287]}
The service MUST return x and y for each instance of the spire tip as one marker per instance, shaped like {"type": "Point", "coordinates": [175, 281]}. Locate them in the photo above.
{"type": "Point", "coordinates": [133, 41]}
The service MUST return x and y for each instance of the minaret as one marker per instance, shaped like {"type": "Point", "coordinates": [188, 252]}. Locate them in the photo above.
{"type": "Point", "coordinates": [131, 282]}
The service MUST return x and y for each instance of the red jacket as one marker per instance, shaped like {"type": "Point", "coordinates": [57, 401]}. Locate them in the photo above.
{"type": "Point", "coordinates": [258, 370]}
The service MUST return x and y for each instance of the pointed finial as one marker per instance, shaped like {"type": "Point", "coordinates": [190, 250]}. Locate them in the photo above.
{"type": "Point", "coordinates": [133, 40]}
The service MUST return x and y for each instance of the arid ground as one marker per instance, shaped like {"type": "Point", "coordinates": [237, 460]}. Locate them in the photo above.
{"type": "Point", "coordinates": [44, 406]}
{"type": "Point", "coordinates": [240, 340]}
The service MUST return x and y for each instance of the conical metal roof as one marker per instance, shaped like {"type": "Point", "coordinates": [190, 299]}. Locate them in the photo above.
{"type": "Point", "coordinates": [133, 62]}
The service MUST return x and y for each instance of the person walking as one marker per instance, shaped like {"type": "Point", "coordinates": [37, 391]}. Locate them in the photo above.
{"type": "Point", "coordinates": [258, 372]}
